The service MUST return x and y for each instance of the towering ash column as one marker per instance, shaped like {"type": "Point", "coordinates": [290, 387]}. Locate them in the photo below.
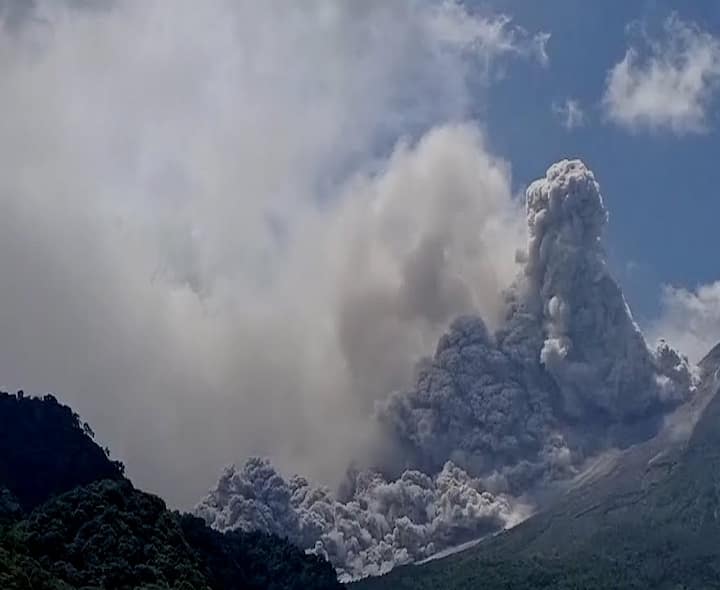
{"type": "Point", "coordinates": [592, 347]}
{"type": "Point", "coordinates": [490, 417]}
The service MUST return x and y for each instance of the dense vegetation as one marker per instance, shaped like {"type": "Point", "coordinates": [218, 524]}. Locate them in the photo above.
{"type": "Point", "coordinates": [77, 523]}
{"type": "Point", "coordinates": [45, 450]}
{"type": "Point", "coordinates": [661, 565]}
{"type": "Point", "coordinates": [255, 560]}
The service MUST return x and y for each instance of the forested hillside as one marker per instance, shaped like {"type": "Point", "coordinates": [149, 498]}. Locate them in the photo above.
{"type": "Point", "coordinates": [69, 519]}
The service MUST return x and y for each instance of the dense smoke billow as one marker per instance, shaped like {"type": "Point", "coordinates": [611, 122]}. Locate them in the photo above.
{"type": "Point", "coordinates": [224, 220]}
{"type": "Point", "coordinates": [568, 352]}
{"type": "Point", "coordinates": [492, 415]}
{"type": "Point", "coordinates": [380, 525]}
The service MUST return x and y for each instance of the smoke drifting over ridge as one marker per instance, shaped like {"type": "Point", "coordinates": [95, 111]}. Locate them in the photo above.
{"type": "Point", "coordinates": [493, 415]}
{"type": "Point", "coordinates": [222, 221]}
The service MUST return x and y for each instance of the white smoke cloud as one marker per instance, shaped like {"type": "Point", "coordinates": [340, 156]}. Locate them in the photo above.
{"type": "Point", "coordinates": [689, 319]}
{"type": "Point", "coordinates": [207, 234]}
{"type": "Point", "coordinates": [667, 83]}
{"type": "Point", "coordinates": [430, 237]}
{"type": "Point", "coordinates": [570, 113]}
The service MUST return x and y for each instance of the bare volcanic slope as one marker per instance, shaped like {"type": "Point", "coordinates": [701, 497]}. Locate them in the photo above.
{"type": "Point", "coordinates": [494, 419]}
{"type": "Point", "coordinates": [646, 517]}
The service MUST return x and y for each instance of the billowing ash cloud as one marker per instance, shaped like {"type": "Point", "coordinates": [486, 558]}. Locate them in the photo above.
{"type": "Point", "coordinates": [568, 372]}
{"type": "Point", "coordinates": [381, 525]}
{"type": "Point", "coordinates": [492, 415]}
{"type": "Point", "coordinates": [592, 347]}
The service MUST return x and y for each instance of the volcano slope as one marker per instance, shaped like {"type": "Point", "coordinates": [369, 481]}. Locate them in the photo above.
{"type": "Point", "coordinates": [647, 517]}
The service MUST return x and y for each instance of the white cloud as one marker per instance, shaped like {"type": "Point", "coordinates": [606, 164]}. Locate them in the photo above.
{"type": "Point", "coordinates": [208, 226]}
{"type": "Point", "coordinates": [570, 113]}
{"type": "Point", "coordinates": [489, 37]}
{"type": "Point", "coordinates": [666, 83]}
{"type": "Point", "coordinates": [690, 320]}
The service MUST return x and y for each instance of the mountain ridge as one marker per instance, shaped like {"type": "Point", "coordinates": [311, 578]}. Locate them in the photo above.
{"type": "Point", "coordinates": [70, 520]}
{"type": "Point", "coordinates": [648, 516]}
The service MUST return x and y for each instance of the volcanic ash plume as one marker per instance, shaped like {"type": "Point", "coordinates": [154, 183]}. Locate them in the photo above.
{"type": "Point", "coordinates": [567, 375]}
{"type": "Point", "coordinates": [491, 416]}
{"type": "Point", "coordinates": [384, 524]}
{"type": "Point", "coordinates": [592, 348]}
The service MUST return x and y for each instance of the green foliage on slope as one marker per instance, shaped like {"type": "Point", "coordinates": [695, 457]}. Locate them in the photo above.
{"type": "Point", "coordinates": [619, 563]}
{"type": "Point", "coordinates": [20, 572]}
{"type": "Point", "coordinates": [111, 536]}
{"type": "Point", "coordinates": [69, 520]}
{"type": "Point", "coordinates": [255, 560]}
{"type": "Point", "coordinates": [45, 450]}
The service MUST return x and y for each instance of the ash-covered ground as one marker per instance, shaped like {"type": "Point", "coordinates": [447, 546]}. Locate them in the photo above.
{"type": "Point", "coordinates": [491, 417]}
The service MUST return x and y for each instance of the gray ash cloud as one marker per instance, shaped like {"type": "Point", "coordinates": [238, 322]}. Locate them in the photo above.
{"type": "Point", "coordinates": [383, 523]}
{"type": "Point", "coordinates": [492, 416]}
{"type": "Point", "coordinates": [569, 371]}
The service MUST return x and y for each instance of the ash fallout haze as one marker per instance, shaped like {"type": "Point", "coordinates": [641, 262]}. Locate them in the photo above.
{"type": "Point", "coordinates": [390, 247]}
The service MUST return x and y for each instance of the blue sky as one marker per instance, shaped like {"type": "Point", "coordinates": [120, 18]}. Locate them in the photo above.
{"type": "Point", "coordinates": [660, 186]}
